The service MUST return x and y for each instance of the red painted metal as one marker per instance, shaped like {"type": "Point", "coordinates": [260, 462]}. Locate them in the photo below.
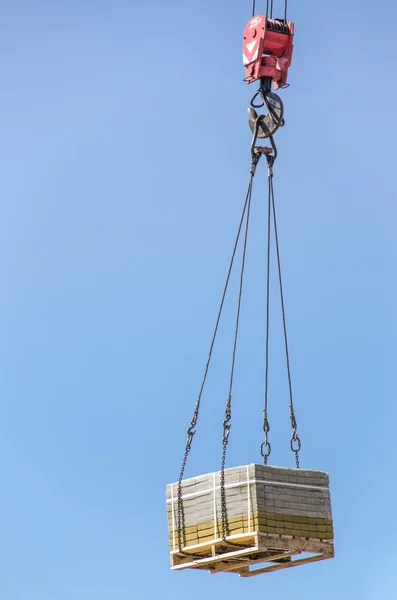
{"type": "Point", "coordinates": [271, 37]}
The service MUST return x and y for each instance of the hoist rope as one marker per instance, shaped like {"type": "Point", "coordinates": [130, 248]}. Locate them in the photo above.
{"type": "Point", "coordinates": [269, 9]}
{"type": "Point", "coordinates": [191, 430]}
{"type": "Point", "coordinates": [228, 413]}
{"type": "Point", "coordinates": [265, 446]}
{"type": "Point", "coordinates": [295, 441]}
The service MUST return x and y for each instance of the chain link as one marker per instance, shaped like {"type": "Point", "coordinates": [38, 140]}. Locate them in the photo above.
{"type": "Point", "coordinates": [295, 442]}
{"type": "Point", "coordinates": [190, 434]}
{"type": "Point", "coordinates": [225, 440]}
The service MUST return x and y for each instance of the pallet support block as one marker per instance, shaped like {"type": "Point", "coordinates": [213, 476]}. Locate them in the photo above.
{"type": "Point", "coordinates": [281, 517]}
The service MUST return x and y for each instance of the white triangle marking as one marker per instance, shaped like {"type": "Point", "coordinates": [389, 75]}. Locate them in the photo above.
{"type": "Point", "coordinates": [251, 45]}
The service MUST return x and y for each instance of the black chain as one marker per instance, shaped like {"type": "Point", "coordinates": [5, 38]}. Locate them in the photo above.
{"type": "Point", "coordinates": [228, 413]}
{"type": "Point", "coordinates": [191, 430]}
{"type": "Point", "coordinates": [222, 477]}
{"type": "Point", "coordinates": [295, 442]}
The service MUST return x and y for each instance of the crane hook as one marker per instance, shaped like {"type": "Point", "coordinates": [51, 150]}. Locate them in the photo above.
{"type": "Point", "coordinates": [270, 122]}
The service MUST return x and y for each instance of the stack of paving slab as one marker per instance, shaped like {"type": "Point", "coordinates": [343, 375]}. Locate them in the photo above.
{"type": "Point", "coordinates": [259, 499]}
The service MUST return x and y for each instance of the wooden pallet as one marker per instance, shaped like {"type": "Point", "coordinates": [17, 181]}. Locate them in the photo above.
{"type": "Point", "coordinates": [242, 553]}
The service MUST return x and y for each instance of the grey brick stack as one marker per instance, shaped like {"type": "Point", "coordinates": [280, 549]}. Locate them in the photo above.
{"type": "Point", "coordinates": [259, 499]}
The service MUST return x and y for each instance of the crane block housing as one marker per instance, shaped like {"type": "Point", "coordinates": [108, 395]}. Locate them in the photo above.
{"type": "Point", "coordinates": [267, 49]}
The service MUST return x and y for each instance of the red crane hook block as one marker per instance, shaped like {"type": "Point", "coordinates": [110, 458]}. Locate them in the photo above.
{"type": "Point", "coordinates": [271, 37]}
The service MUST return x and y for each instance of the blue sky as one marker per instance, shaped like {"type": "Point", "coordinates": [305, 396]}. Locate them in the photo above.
{"type": "Point", "coordinates": [125, 159]}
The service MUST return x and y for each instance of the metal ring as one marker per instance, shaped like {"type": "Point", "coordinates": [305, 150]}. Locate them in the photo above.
{"type": "Point", "coordinates": [269, 449]}
{"type": "Point", "coordinates": [295, 438]}
{"type": "Point", "coordinates": [226, 423]}
{"type": "Point", "coordinates": [226, 433]}
{"type": "Point", "coordinates": [266, 426]}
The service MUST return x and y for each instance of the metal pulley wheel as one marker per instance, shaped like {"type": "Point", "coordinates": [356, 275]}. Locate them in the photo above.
{"type": "Point", "coordinates": [272, 120]}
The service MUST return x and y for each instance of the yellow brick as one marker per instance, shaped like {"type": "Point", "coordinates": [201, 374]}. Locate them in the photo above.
{"type": "Point", "coordinates": [271, 530]}
{"type": "Point", "coordinates": [272, 523]}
